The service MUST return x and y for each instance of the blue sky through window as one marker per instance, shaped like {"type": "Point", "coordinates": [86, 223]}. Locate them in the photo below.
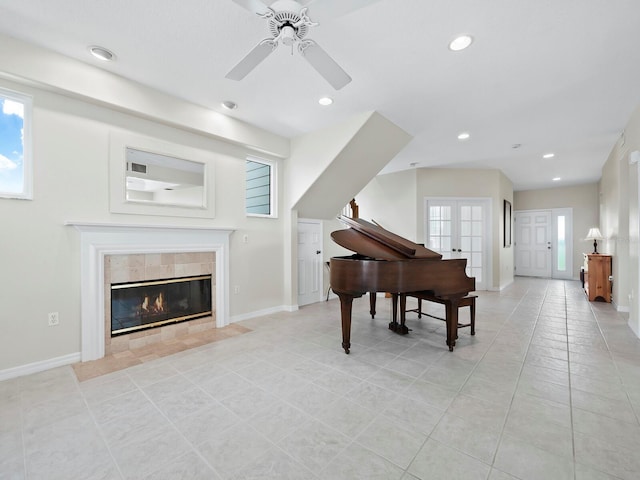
{"type": "Point", "coordinates": [11, 146]}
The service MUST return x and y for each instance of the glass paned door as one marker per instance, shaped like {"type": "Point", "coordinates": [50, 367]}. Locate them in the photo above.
{"type": "Point", "coordinates": [440, 229]}
{"type": "Point", "coordinates": [471, 238]}
{"type": "Point", "coordinates": [457, 229]}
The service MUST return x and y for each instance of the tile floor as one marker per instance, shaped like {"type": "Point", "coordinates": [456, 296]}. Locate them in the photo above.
{"type": "Point", "coordinates": [549, 388]}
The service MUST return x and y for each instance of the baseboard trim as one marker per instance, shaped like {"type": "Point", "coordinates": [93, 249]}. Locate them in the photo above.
{"type": "Point", "coordinates": [260, 313]}
{"type": "Point", "coordinates": [41, 366]}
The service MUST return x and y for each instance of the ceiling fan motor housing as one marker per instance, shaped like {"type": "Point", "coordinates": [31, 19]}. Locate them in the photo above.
{"type": "Point", "coordinates": [283, 19]}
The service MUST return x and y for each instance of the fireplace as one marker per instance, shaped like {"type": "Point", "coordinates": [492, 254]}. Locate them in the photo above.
{"type": "Point", "coordinates": [143, 305]}
{"type": "Point", "coordinates": [100, 241]}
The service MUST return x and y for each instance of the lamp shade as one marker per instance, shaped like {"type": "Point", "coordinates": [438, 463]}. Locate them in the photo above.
{"type": "Point", "coordinates": [594, 234]}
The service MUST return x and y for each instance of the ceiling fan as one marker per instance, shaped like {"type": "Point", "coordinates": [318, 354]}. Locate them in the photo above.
{"type": "Point", "coordinates": [289, 23]}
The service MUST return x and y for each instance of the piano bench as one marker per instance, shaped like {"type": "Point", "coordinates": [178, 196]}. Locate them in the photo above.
{"type": "Point", "coordinates": [468, 301]}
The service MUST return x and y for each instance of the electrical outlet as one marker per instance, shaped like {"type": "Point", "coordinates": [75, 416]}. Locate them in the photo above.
{"type": "Point", "coordinates": [236, 289]}
{"type": "Point", "coordinates": [53, 319]}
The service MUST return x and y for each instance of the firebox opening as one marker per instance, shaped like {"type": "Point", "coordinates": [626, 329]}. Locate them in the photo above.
{"type": "Point", "coordinates": [149, 304]}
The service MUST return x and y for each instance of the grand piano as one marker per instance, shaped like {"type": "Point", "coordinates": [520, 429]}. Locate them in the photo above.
{"type": "Point", "coordinates": [386, 262]}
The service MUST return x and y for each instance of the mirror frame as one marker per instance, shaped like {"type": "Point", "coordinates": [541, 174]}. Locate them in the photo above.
{"type": "Point", "coordinates": [118, 203]}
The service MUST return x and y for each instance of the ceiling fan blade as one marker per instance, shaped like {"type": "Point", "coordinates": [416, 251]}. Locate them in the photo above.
{"type": "Point", "coordinates": [324, 64]}
{"type": "Point", "coordinates": [252, 60]}
{"type": "Point", "coordinates": [321, 10]}
{"type": "Point", "coordinates": [255, 6]}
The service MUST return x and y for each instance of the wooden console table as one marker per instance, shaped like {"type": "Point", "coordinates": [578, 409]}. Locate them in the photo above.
{"type": "Point", "coordinates": [597, 270]}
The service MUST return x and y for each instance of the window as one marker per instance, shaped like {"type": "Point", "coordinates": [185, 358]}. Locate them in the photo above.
{"type": "Point", "coordinates": [562, 243]}
{"type": "Point", "coordinates": [561, 251]}
{"type": "Point", "coordinates": [15, 145]}
{"type": "Point", "coordinates": [260, 188]}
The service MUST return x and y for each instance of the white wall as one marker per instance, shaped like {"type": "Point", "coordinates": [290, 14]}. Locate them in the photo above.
{"type": "Point", "coordinates": [39, 256]}
{"type": "Point", "coordinates": [619, 210]}
{"type": "Point", "coordinates": [391, 201]}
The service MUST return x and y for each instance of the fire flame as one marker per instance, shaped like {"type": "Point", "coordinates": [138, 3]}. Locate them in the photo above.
{"type": "Point", "coordinates": [155, 306]}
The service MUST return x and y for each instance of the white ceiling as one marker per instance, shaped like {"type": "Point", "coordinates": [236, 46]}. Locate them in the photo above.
{"type": "Point", "coordinates": [558, 76]}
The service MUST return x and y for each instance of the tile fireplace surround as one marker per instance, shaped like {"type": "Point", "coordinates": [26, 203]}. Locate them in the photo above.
{"type": "Point", "coordinates": [144, 267]}
{"type": "Point", "coordinates": [160, 249]}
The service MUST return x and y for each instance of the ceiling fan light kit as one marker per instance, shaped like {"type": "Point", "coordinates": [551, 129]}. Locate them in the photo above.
{"type": "Point", "coordinates": [289, 24]}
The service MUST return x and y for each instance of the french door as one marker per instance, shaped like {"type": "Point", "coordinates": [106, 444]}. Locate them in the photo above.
{"type": "Point", "coordinates": [458, 228]}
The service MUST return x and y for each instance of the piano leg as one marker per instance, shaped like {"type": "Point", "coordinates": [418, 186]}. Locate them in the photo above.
{"type": "Point", "coordinates": [346, 304]}
{"type": "Point", "coordinates": [372, 304]}
{"type": "Point", "coordinates": [452, 321]}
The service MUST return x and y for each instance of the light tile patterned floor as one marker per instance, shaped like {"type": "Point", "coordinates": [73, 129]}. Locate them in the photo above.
{"type": "Point", "coordinates": [549, 388]}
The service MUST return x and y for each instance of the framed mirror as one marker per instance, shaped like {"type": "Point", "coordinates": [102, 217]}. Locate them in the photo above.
{"type": "Point", "coordinates": [163, 180]}
{"type": "Point", "coordinates": [151, 177]}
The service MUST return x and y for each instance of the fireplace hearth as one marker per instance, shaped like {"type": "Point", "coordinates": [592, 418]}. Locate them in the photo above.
{"type": "Point", "coordinates": [148, 304]}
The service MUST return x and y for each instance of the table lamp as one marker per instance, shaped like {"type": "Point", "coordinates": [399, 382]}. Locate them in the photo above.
{"type": "Point", "coordinates": [595, 235]}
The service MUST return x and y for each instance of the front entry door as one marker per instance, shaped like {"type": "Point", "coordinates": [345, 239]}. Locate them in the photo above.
{"type": "Point", "coordinates": [533, 248]}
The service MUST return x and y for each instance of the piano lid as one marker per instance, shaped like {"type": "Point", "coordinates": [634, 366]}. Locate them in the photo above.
{"type": "Point", "coordinates": [374, 241]}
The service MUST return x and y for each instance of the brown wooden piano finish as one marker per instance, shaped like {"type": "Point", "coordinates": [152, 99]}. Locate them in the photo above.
{"type": "Point", "coordinates": [386, 262]}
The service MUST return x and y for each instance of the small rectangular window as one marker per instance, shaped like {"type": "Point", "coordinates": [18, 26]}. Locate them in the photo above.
{"type": "Point", "coordinates": [562, 245]}
{"type": "Point", "coordinates": [15, 145]}
{"type": "Point", "coordinates": [260, 188]}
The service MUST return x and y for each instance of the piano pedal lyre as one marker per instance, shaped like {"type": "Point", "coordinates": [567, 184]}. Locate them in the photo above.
{"type": "Point", "coordinates": [399, 328]}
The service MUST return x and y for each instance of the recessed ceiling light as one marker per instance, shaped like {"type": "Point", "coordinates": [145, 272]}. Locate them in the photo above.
{"type": "Point", "coordinates": [229, 105]}
{"type": "Point", "coordinates": [463, 136]}
{"type": "Point", "coordinates": [101, 53]}
{"type": "Point", "coordinates": [324, 101]}
{"type": "Point", "coordinates": [548, 155]}
{"type": "Point", "coordinates": [460, 43]}
{"type": "Point", "coordinates": [556, 179]}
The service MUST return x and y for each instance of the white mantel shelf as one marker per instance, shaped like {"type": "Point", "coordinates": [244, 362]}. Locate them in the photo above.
{"type": "Point", "coordinates": [99, 239]}
{"type": "Point", "coordinates": [103, 225]}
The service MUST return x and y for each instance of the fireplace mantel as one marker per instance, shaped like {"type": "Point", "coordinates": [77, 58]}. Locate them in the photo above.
{"type": "Point", "coordinates": [104, 226]}
{"type": "Point", "coordinates": [100, 239]}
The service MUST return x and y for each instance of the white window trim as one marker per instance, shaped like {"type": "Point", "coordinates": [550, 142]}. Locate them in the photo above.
{"type": "Point", "coordinates": [568, 214]}
{"type": "Point", "coordinates": [27, 140]}
{"type": "Point", "coordinates": [272, 188]}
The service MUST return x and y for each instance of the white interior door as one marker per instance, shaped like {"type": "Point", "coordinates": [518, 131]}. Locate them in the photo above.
{"type": "Point", "coordinates": [309, 261]}
{"type": "Point", "coordinates": [533, 247]}
{"type": "Point", "coordinates": [457, 228]}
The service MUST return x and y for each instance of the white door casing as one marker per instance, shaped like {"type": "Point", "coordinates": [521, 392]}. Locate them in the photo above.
{"type": "Point", "coordinates": [309, 262]}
